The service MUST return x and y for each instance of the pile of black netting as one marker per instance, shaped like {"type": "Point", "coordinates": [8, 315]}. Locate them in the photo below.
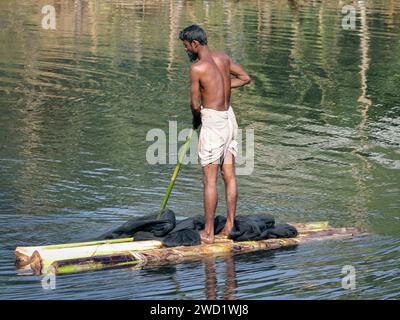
{"type": "Point", "coordinates": [186, 232]}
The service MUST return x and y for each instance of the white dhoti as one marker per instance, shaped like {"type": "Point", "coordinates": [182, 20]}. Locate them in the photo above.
{"type": "Point", "coordinates": [218, 135]}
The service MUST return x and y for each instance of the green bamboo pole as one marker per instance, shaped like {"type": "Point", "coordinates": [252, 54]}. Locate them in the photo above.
{"type": "Point", "coordinates": [93, 263]}
{"type": "Point", "coordinates": [176, 171]}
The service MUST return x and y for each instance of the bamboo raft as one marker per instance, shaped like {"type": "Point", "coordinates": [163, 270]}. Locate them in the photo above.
{"type": "Point", "coordinates": [86, 256]}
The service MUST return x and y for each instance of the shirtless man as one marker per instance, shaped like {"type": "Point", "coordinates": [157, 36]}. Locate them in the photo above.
{"type": "Point", "coordinates": [210, 79]}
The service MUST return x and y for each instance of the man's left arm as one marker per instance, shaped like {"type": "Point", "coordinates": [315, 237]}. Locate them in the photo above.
{"type": "Point", "coordinates": [195, 96]}
{"type": "Point", "coordinates": [241, 76]}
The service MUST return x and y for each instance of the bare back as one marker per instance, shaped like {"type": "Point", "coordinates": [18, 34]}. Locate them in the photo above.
{"type": "Point", "coordinates": [215, 83]}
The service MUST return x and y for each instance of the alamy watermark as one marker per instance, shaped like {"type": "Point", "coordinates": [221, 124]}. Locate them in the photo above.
{"type": "Point", "coordinates": [349, 20]}
{"type": "Point", "coordinates": [49, 20]}
{"type": "Point", "coordinates": [162, 142]}
{"type": "Point", "coordinates": [49, 279]}
{"type": "Point", "coordinates": [349, 280]}
{"type": "Point", "coordinates": [350, 15]}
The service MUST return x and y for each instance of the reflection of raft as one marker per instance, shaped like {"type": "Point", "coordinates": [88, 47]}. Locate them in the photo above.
{"type": "Point", "coordinates": [69, 258]}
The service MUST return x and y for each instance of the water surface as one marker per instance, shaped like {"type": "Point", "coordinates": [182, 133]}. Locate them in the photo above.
{"type": "Point", "coordinates": [77, 102]}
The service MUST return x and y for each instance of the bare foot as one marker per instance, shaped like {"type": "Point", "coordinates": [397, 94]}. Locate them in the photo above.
{"type": "Point", "coordinates": [206, 238]}
{"type": "Point", "coordinates": [225, 231]}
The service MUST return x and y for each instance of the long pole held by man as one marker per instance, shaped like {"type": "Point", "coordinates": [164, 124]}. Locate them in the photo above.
{"type": "Point", "coordinates": [211, 82]}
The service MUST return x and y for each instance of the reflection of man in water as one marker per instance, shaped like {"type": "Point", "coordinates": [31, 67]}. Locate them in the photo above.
{"type": "Point", "coordinates": [210, 78]}
{"type": "Point", "coordinates": [211, 278]}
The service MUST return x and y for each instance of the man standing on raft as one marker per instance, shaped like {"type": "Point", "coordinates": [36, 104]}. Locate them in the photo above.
{"type": "Point", "coordinates": [210, 79]}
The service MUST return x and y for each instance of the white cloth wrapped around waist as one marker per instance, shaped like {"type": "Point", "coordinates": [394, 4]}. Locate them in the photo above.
{"type": "Point", "coordinates": [218, 135]}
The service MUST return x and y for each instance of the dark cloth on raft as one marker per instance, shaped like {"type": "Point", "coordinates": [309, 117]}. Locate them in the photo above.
{"type": "Point", "coordinates": [186, 232]}
{"type": "Point", "coordinates": [148, 227]}
{"type": "Point", "coordinates": [260, 228]}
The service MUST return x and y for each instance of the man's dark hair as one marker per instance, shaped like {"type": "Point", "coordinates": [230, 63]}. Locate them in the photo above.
{"type": "Point", "coordinates": [193, 32]}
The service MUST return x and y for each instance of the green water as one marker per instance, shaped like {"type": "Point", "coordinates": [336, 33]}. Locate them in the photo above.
{"type": "Point", "coordinates": [77, 102]}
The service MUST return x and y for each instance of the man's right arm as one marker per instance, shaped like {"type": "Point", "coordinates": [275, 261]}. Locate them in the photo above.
{"type": "Point", "coordinates": [241, 78]}
{"type": "Point", "coordinates": [195, 96]}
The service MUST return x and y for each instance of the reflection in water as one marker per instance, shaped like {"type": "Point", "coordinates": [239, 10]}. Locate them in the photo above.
{"type": "Point", "coordinates": [78, 8]}
{"type": "Point", "coordinates": [211, 278]}
{"type": "Point", "coordinates": [264, 19]}
{"type": "Point", "coordinates": [363, 168]}
{"type": "Point", "coordinates": [76, 104]}
{"type": "Point", "coordinates": [175, 11]}
{"type": "Point", "coordinates": [230, 280]}
{"type": "Point", "coordinates": [211, 284]}
{"type": "Point", "coordinates": [93, 8]}
{"type": "Point", "coordinates": [365, 61]}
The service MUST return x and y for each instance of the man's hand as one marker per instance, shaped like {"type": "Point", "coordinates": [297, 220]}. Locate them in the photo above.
{"type": "Point", "coordinates": [241, 77]}
{"type": "Point", "coordinates": [196, 119]}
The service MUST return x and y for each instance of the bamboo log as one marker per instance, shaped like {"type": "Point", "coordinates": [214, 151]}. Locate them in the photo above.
{"type": "Point", "coordinates": [152, 253]}
{"type": "Point", "coordinates": [23, 254]}
{"type": "Point", "coordinates": [49, 254]}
